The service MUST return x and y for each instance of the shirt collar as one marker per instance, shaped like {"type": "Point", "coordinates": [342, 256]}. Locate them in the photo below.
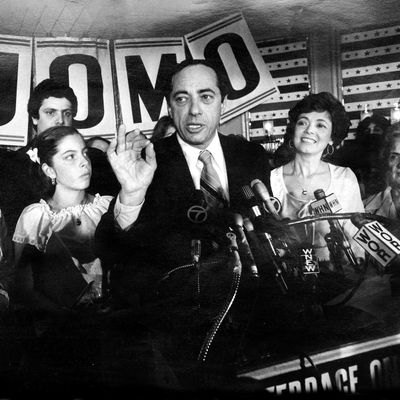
{"type": "Point", "coordinates": [193, 152]}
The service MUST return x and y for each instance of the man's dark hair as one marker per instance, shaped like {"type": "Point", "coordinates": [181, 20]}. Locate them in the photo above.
{"type": "Point", "coordinates": [222, 79]}
{"type": "Point", "coordinates": [50, 88]}
{"type": "Point", "coordinates": [377, 119]}
{"type": "Point", "coordinates": [92, 139]}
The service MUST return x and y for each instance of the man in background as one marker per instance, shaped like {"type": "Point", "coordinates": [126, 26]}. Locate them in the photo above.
{"type": "Point", "coordinates": [50, 104]}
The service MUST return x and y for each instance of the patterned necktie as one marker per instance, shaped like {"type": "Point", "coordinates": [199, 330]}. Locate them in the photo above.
{"type": "Point", "coordinates": [210, 184]}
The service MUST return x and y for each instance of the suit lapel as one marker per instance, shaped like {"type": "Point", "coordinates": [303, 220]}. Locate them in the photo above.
{"type": "Point", "coordinates": [177, 171]}
{"type": "Point", "coordinates": [230, 155]}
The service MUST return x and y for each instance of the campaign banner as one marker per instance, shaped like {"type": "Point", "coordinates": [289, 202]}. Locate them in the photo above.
{"type": "Point", "coordinates": [363, 367]}
{"type": "Point", "coordinates": [143, 67]}
{"type": "Point", "coordinates": [15, 84]}
{"type": "Point", "coordinates": [84, 65]}
{"type": "Point", "coordinates": [229, 42]}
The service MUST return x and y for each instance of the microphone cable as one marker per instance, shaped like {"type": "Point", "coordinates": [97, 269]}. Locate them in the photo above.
{"type": "Point", "coordinates": [237, 272]}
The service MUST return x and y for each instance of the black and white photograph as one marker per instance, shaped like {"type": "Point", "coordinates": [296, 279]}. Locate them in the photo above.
{"type": "Point", "coordinates": [199, 199]}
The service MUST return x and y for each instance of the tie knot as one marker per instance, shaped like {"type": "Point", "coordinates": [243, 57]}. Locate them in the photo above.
{"type": "Point", "coordinates": [205, 157]}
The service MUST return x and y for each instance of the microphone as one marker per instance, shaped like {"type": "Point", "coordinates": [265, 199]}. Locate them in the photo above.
{"type": "Point", "coordinates": [330, 204]}
{"type": "Point", "coordinates": [376, 240]}
{"type": "Point", "coordinates": [256, 214]}
{"type": "Point", "coordinates": [244, 246]}
{"type": "Point", "coordinates": [195, 251]}
{"type": "Point", "coordinates": [271, 204]}
{"type": "Point", "coordinates": [265, 251]}
{"type": "Point", "coordinates": [233, 248]}
{"type": "Point", "coordinates": [254, 241]}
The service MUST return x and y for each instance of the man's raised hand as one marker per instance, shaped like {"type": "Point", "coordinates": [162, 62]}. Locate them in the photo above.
{"type": "Point", "coordinates": [133, 172]}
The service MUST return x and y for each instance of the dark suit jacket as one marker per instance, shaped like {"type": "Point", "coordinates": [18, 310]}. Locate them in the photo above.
{"type": "Point", "coordinates": [160, 240]}
{"type": "Point", "coordinates": [163, 232]}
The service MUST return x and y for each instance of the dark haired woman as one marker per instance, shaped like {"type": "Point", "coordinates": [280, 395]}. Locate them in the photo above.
{"type": "Point", "coordinates": [317, 124]}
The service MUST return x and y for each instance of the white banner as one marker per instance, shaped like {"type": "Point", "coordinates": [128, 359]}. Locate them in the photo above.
{"type": "Point", "coordinates": [15, 83]}
{"type": "Point", "coordinates": [143, 67]}
{"type": "Point", "coordinates": [85, 65]}
{"type": "Point", "coordinates": [230, 42]}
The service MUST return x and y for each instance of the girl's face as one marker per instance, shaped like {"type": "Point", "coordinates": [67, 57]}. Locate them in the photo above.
{"type": "Point", "coordinates": [313, 132]}
{"type": "Point", "coordinates": [70, 165]}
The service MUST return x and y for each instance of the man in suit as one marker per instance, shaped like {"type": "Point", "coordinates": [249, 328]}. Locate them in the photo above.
{"type": "Point", "coordinates": [150, 228]}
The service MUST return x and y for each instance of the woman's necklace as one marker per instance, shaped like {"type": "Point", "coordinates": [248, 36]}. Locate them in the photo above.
{"type": "Point", "coordinates": [304, 191]}
{"type": "Point", "coordinates": [303, 186]}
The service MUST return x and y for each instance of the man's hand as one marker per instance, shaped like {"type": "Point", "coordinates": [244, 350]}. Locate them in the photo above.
{"type": "Point", "coordinates": [132, 171]}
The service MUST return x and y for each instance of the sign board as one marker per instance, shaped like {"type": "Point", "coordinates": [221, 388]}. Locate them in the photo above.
{"type": "Point", "coordinates": [230, 43]}
{"type": "Point", "coordinates": [355, 368]}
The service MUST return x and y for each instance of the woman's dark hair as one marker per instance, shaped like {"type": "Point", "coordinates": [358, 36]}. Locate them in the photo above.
{"type": "Point", "coordinates": [161, 127]}
{"type": "Point", "coordinates": [319, 102]}
{"type": "Point", "coordinates": [46, 144]}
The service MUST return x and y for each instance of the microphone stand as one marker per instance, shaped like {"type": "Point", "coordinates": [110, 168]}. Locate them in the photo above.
{"type": "Point", "coordinates": [332, 240]}
{"type": "Point", "coordinates": [336, 240]}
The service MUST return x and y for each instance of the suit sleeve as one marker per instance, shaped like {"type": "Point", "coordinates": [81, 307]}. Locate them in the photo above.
{"type": "Point", "coordinates": [115, 245]}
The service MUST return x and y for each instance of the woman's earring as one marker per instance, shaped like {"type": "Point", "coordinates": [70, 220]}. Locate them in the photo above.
{"type": "Point", "coordinates": [291, 145]}
{"type": "Point", "coordinates": [329, 149]}
{"type": "Point", "coordinates": [53, 181]}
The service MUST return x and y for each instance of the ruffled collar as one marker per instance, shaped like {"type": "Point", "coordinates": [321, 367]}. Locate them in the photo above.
{"type": "Point", "coordinates": [74, 210]}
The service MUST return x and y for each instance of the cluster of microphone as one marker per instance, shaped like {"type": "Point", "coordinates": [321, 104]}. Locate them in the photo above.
{"type": "Point", "coordinates": [267, 243]}
{"type": "Point", "coordinates": [258, 224]}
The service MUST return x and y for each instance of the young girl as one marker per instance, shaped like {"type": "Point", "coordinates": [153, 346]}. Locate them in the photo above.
{"type": "Point", "coordinates": [76, 341]}
{"type": "Point", "coordinates": [56, 266]}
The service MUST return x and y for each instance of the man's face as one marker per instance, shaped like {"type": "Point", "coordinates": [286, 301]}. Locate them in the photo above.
{"type": "Point", "coordinates": [195, 105]}
{"type": "Point", "coordinates": [53, 111]}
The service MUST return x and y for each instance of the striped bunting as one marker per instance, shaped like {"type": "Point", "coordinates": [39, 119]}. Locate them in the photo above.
{"type": "Point", "coordinates": [69, 43]}
{"type": "Point", "coordinates": [140, 43]}
{"type": "Point", "coordinates": [370, 62]}
{"type": "Point", "coordinates": [287, 62]}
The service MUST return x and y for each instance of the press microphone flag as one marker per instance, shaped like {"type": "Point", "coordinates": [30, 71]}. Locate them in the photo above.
{"type": "Point", "coordinates": [326, 205]}
{"type": "Point", "coordinates": [378, 242]}
{"type": "Point", "coordinates": [308, 260]}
